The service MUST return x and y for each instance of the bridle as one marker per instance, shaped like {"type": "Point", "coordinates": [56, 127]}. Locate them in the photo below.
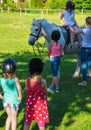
{"type": "Point", "coordinates": [36, 36]}
{"type": "Point", "coordinates": [38, 43]}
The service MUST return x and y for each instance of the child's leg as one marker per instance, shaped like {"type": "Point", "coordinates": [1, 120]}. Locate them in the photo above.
{"type": "Point", "coordinates": [72, 37]}
{"type": "Point", "coordinates": [41, 125]}
{"type": "Point", "coordinates": [78, 35]}
{"type": "Point", "coordinates": [8, 120]}
{"type": "Point", "coordinates": [56, 81]}
{"type": "Point", "coordinates": [13, 119]}
{"type": "Point", "coordinates": [26, 127]}
{"type": "Point", "coordinates": [79, 38]}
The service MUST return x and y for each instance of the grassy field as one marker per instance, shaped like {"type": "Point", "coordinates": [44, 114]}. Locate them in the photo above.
{"type": "Point", "coordinates": [68, 110]}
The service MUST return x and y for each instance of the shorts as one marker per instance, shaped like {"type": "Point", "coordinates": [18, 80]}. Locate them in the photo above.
{"type": "Point", "coordinates": [7, 105]}
{"type": "Point", "coordinates": [55, 62]}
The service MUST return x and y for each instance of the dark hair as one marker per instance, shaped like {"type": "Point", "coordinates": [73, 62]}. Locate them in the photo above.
{"type": "Point", "coordinates": [55, 35]}
{"type": "Point", "coordinates": [9, 66]}
{"type": "Point", "coordinates": [70, 5]}
{"type": "Point", "coordinates": [88, 20]}
{"type": "Point", "coordinates": [35, 66]}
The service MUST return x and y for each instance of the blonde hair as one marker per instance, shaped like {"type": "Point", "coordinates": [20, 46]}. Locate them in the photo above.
{"type": "Point", "coordinates": [88, 21]}
{"type": "Point", "coordinates": [6, 75]}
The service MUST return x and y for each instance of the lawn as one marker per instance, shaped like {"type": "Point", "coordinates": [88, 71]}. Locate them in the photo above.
{"type": "Point", "coordinates": [68, 110]}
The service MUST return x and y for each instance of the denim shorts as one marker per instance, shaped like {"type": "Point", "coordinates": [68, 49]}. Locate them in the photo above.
{"type": "Point", "coordinates": [55, 62]}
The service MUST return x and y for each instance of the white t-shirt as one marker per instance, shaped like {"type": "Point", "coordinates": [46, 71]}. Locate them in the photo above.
{"type": "Point", "coordinates": [69, 18]}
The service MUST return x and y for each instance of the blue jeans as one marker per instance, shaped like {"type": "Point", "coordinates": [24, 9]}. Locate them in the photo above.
{"type": "Point", "coordinates": [85, 54]}
{"type": "Point", "coordinates": [55, 62]}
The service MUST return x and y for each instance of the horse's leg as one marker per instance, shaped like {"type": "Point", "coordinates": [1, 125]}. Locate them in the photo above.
{"type": "Point", "coordinates": [89, 72]}
{"type": "Point", "coordinates": [78, 66]}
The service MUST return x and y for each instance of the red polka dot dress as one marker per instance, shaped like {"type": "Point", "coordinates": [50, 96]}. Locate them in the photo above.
{"type": "Point", "coordinates": [36, 103]}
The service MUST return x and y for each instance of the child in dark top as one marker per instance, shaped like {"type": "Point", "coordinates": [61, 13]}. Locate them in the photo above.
{"type": "Point", "coordinates": [36, 102]}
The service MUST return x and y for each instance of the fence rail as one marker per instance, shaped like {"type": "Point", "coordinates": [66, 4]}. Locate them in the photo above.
{"type": "Point", "coordinates": [43, 12]}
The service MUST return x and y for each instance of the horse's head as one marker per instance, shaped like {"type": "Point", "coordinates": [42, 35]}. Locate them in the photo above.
{"type": "Point", "coordinates": [35, 31]}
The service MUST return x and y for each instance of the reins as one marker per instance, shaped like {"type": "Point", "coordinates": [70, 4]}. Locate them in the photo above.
{"type": "Point", "coordinates": [38, 45]}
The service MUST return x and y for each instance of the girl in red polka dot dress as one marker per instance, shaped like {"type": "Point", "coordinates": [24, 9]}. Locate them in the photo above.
{"type": "Point", "coordinates": [36, 102]}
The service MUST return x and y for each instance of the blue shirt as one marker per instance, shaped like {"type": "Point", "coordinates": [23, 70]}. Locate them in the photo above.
{"type": "Point", "coordinates": [86, 37]}
{"type": "Point", "coordinates": [10, 90]}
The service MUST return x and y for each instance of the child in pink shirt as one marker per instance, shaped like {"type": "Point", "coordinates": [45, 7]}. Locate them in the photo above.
{"type": "Point", "coordinates": [55, 51]}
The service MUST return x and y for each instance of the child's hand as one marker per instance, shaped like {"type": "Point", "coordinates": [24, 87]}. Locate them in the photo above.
{"type": "Point", "coordinates": [1, 97]}
{"type": "Point", "coordinates": [62, 53]}
{"type": "Point", "coordinates": [19, 98]}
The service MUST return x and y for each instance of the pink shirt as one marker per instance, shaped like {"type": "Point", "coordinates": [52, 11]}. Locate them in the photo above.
{"type": "Point", "coordinates": [55, 50]}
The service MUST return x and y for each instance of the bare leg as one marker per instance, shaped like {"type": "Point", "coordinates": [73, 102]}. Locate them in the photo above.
{"type": "Point", "coordinates": [26, 127]}
{"type": "Point", "coordinates": [56, 82]}
{"type": "Point", "coordinates": [72, 38]}
{"type": "Point", "coordinates": [41, 128]}
{"type": "Point", "coordinates": [7, 126]}
{"type": "Point", "coordinates": [13, 119]}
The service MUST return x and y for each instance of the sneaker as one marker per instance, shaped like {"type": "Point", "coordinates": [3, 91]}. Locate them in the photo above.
{"type": "Point", "coordinates": [84, 83]}
{"type": "Point", "coordinates": [51, 88]}
{"type": "Point", "coordinates": [57, 90]}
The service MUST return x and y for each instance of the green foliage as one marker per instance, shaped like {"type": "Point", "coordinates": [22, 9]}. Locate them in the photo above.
{"type": "Point", "coordinates": [60, 4]}
{"type": "Point", "coordinates": [8, 3]}
{"type": "Point", "coordinates": [83, 4]}
{"type": "Point", "coordinates": [52, 4]}
{"type": "Point", "coordinates": [37, 4]}
{"type": "Point", "coordinates": [11, 4]}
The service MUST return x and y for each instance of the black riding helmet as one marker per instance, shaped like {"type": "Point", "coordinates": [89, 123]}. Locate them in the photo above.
{"type": "Point", "coordinates": [70, 5]}
{"type": "Point", "coordinates": [9, 66]}
{"type": "Point", "coordinates": [35, 66]}
{"type": "Point", "coordinates": [55, 35]}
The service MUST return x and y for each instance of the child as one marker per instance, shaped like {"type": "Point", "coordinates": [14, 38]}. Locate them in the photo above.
{"type": "Point", "coordinates": [12, 93]}
{"type": "Point", "coordinates": [85, 52]}
{"type": "Point", "coordinates": [55, 51]}
{"type": "Point", "coordinates": [69, 20]}
{"type": "Point", "coordinates": [36, 102]}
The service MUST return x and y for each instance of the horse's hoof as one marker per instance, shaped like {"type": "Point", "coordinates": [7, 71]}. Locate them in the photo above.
{"type": "Point", "coordinates": [75, 76]}
{"type": "Point", "coordinates": [89, 75]}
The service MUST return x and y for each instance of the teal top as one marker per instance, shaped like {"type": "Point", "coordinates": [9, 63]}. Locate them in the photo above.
{"type": "Point", "coordinates": [10, 90]}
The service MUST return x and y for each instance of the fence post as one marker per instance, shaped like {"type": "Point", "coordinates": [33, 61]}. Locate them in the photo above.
{"type": "Point", "coordinates": [82, 17]}
{"type": "Point", "coordinates": [20, 11]}
{"type": "Point", "coordinates": [1, 10]}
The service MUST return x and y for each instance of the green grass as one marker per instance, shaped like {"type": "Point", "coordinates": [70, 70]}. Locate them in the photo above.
{"type": "Point", "coordinates": [68, 110]}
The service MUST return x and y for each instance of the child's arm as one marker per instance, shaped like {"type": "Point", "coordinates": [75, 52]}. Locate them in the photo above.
{"type": "Point", "coordinates": [61, 18]}
{"type": "Point", "coordinates": [62, 51]}
{"type": "Point", "coordinates": [49, 49]}
{"type": "Point", "coordinates": [44, 85]}
{"type": "Point", "coordinates": [75, 31]}
{"type": "Point", "coordinates": [19, 89]}
{"type": "Point", "coordinates": [1, 97]}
